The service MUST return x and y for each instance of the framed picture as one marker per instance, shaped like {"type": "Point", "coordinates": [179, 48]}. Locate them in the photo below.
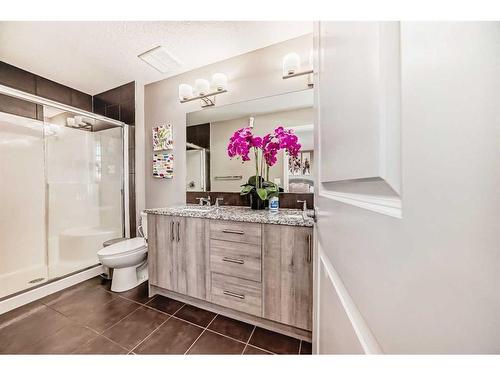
{"type": "Point", "coordinates": [294, 165]}
{"type": "Point", "coordinates": [163, 138]}
{"type": "Point", "coordinates": [163, 165]}
{"type": "Point", "coordinates": [301, 165]}
{"type": "Point", "coordinates": [306, 163]}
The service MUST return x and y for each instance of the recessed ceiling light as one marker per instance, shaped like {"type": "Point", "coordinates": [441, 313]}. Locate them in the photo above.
{"type": "Point", "coordinates": [160, 59]}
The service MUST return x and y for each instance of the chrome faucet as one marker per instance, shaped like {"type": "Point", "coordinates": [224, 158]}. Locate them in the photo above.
{"type": "Point", "coordinates": [304, 204]}
{"type": "Point", "coordinates": [217, 200]}
{"type": "Point", "coordinates": [204, 200]}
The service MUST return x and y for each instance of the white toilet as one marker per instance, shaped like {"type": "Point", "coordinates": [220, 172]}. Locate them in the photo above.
{"type": "Point", "coordinates": [128, 259]}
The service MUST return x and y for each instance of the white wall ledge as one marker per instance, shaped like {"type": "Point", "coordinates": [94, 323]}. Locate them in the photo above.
{"type": "Point", "coordinates": [391, 206]}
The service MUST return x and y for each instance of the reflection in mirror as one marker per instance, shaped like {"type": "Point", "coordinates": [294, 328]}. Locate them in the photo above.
{"type": "Point", "coordinates": [209, 168]}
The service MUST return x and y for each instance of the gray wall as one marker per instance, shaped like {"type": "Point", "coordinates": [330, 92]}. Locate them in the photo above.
{"type": "Point", "coordinates": [252, 75]}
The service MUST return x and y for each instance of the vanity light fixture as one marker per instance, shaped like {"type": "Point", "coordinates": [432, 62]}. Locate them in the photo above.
{"type": "Point", "coordinates": [203, 90]}
{"type": "Point", "coordinates": [185, 91]}
{"type": "Point", "coordinates": [292, 68]}
{"type": "Point", "coordinates": [202, 86]}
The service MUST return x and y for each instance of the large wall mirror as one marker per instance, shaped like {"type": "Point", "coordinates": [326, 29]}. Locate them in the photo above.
{"type": "Point", "coordinates": [208, 131]}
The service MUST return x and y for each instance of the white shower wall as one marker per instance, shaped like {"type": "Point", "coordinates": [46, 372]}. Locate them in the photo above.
{"type": "Point", "coordinates": [22, 203]}
{"type": "Point", "coordinates": [60, 197]}
{"type": "Point", "coordinates": [84, 177]}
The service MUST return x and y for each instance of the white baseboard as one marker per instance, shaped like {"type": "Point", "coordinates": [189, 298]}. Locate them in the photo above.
{"type": "Point", "coordinates": [44, 290]}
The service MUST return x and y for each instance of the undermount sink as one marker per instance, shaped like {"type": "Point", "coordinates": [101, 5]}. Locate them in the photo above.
{"type": "Point", "coordinates": [294, 216]}
{"type": "Point", "coordinates": [199, 209]}
{"type": "Point", "coordinates": [302, 216]}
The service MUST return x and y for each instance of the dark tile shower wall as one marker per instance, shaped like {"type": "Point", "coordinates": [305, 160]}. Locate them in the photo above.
{"type": "Point", "coordinates": [119, 104]}
{"type": "Point", "coordinates": [31, 83]}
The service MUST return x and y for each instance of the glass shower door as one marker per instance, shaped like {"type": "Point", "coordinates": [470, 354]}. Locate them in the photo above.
{"type": "Point", "coordinates": [23, 261]}
{"type": "Point", "coordinates": [84, 167]}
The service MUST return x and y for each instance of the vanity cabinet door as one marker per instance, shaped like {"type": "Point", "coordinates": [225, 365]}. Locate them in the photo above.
{"type": "Point", "coordinates": [288, 275]}
{"type": "Point", "coordinates": [191, 256]}
{"type": "Point", "coordinates": [162, 255]}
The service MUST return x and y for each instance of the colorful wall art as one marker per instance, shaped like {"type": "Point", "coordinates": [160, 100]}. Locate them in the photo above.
{"type": "Point", "coordinates": [163, 138]}
{"type": "Point", "coordinates": [163, 165]}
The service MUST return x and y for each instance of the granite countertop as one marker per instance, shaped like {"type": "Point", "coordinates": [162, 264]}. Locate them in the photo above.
{"type": "Point", "coordinates": [285, 216]}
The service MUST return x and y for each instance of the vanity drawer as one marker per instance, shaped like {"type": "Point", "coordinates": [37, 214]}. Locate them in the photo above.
{"type": "Point", "coordinates": [235, 293]}
{"type": "Point", "coordinates": [236, 231]}
{"type": "Point", "coordinates": [242, 260]}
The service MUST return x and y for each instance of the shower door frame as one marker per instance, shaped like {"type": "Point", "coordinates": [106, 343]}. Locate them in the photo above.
{"type": "Point", "coordinates": [5, 90]}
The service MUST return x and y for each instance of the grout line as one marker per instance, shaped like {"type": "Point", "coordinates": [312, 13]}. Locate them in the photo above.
{"type": "Point", "coordinates": [95, 338]}
{"type": "Point", "coordinates": [148, 336]}
{"type": "Point", "coordinates": [208, 329]}
{"type": "Point", "coordinates": [126, 316]}
{"type": "Point", "coordinates": [130, 299]}
{"type": "Point", "coordinates": [114, 342]}
{"type": "Point", "coordinates": [221, 334]}
{"type": "Point", "coordinates": [194, 324]}
{"type": "Point", "coordinates": [163, 312]}
{"type": "Point", "coordinates": [157, 328]}
{"type": "Point", "coordinates": [249, 337]}
{"type": "Point", "coordinates": [178, 309]}
{"type": "Point", "coordinates": [264, 350]}
{"type": "Point", "coordinates": [216, 315]}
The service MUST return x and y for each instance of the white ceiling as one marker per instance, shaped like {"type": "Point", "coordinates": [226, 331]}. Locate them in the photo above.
{"type": "Point", "coordinates": [96, 56]}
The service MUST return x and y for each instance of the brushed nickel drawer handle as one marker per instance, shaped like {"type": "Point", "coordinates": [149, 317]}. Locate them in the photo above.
{"type": "Point", "coordinates": [232, 260]}
{"type": "Point", "coordinates": [178, 230]}
{"type": "Point", "coordinates": [233, 231]}
{"type": "Point", "coordinates": [171, 231]}
{"type": "Point", "coordinates": [232, 294]}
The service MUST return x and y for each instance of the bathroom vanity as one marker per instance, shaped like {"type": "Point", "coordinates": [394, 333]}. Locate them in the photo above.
{"type": "Point", "coordinates": [249, 265]}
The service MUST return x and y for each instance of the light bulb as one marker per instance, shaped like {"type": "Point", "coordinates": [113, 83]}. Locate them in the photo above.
{"type": "Point", "coordinates": [291, 64]}
{"type": "Point", "coordinates": [202, 86]}
{"type": "Point", "coordinates": [185, 91]}
{"type": "Point", "coordinates": [219, 81]}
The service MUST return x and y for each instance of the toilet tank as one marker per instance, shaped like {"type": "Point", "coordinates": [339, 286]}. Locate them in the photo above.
{"type": "Point", "coordinates": [144, 224]}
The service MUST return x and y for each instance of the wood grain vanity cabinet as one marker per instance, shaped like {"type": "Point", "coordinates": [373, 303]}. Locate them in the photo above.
{"type": "Point", "coordinates": [261, 273]}
{"type": "Point", "coordinates": [288, 275]}
{"type": "Point", "coordinates": [236, 265]}
{"type": "Point", "coordinates": [191, 256]}
{"type": "Point", "coordinates": [162, 254]}
{"type": "Point", "coordinates": [177, 255]}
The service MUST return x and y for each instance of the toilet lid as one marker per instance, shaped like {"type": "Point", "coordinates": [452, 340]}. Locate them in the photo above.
{"type": "Point", "coordinates": [123, 247]}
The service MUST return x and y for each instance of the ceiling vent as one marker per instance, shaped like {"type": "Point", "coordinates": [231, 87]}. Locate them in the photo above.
{"type": "Point", "coordinates": [160, 59]}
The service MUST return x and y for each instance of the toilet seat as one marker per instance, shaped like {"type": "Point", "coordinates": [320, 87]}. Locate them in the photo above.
{"type": "Point", "coordinates": [123, 248]}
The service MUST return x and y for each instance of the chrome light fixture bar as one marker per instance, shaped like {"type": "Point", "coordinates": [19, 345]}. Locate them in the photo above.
{"type": "Point", "coordinates": [290, 75]}
{"type": "Point", "coordinates": [205, 91]}
{"type": "Point", "coordinates": [208, 102]}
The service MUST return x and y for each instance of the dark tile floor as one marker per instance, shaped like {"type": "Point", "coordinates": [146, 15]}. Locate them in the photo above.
{"type": "Point", "coordinates": [90, 319]}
